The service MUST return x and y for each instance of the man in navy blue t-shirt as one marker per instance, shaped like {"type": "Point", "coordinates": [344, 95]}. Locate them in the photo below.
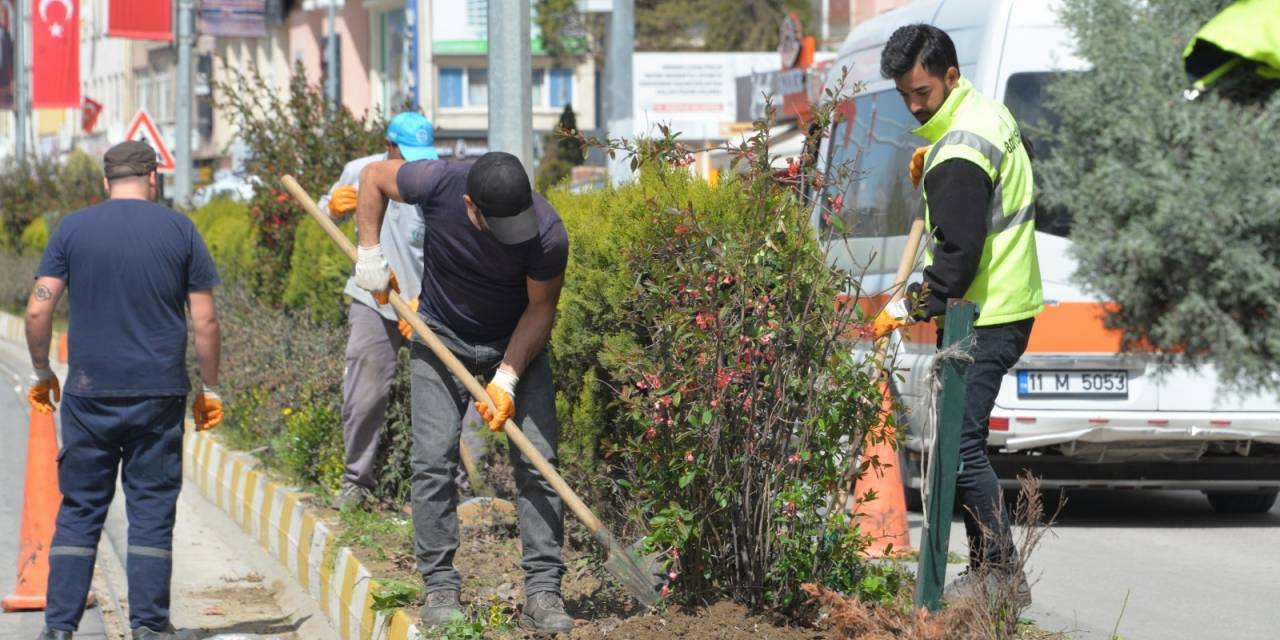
{"type": "Point", "coordinates": [132, 269]}
{"type": "Point", "coordinates": [494, 260]}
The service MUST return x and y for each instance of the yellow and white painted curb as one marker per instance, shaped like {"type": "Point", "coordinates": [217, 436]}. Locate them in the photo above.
{"type": "Point", "coordinates": [276, 518]}
{"type": "Point", "coordinates": [274, 515]}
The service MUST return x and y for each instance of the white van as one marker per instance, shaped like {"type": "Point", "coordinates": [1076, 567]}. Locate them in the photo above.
{"type": "Point", "coordinates": [1074, 411]}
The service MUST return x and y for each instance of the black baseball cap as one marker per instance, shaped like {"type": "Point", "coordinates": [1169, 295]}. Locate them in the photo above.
{"type": "Point", "coordinates": [499, 187]}
{"type": "Point", "coordinates": [132, 158]}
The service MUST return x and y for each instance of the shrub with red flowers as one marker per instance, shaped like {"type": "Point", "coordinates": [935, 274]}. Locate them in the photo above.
{"type": "Point", "coordinates": [742, 400]}
{"type": "Point", "coordinates": [290, 132]}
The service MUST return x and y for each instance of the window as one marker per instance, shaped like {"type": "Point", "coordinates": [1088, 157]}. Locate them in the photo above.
{"type": "Point", "coordinates": [463, 87]}
{"type": "Point", "coordinates": [1025, 97]}
{"type": "Point", "coordinates": [876, 147]}
{"type": "Point", "coordinates": [561, 92]}
{"type": "Point", "coordinates": [477, 87]}
{"type": "Point", "coordinates": [539, 95]}
{"type": "Point", "coordinates": [395, 45]}
{"type": "Point", "coordinates": [451, 87]}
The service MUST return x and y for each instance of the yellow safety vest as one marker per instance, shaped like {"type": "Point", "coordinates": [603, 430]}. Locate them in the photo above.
{"type": "Point", "coordinates": [973, 127]}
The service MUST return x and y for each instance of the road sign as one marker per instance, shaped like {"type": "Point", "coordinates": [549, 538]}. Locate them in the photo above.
{"type": "Point", "coordinates": [144, 128]}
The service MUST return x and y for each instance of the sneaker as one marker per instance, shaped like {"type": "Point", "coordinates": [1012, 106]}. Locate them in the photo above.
{"type": "Point", "coordinates": [990, 585]}
{"type": "Point", "coordinates": [54, 634]}
{"type": "Point", "coordinates": [441, 607]}
{"type": "Point", "coordinates": [351, 496]}
{"type": "Point", "coordinates": [168, 633]}
{"type": "Point", "coordinates": [544, 611]}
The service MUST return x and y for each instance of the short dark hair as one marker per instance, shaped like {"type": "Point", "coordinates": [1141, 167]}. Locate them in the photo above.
{"type": "Point", "coordinates": [919, 43]}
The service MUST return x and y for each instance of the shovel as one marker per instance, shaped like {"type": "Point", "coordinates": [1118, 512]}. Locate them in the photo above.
{"type": "Point", "coordinates": [642, 578]}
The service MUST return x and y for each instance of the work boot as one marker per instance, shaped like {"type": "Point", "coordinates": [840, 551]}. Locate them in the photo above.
{"type": "Point", "coordinates": [442, 607]}
{"type": "Point", "coordinates": [544, 611]}
{"type": "Point", "coordinates": [168, 633]}
{"type": "Point", "coordinates": [351, 496]}
{"type": "Point", "coordinates": [990, 585]}
{"type": "Point", "coordinates": [54, 634]}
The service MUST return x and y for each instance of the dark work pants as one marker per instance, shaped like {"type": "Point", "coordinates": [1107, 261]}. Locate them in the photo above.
{"type": "Point", "coordinates": [439, 401]}
{"type": "Point", "coordinates": [144, 437]}
{"type": "Point", "coordinates": [986, 520]}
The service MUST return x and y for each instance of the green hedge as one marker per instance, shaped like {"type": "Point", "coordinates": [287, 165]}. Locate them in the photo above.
{"type": "Point", "coordinates": [318, 272]}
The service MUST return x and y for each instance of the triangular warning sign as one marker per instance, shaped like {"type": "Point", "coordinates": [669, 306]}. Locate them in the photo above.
{"type": "Point", "coordinates": [144, 128]}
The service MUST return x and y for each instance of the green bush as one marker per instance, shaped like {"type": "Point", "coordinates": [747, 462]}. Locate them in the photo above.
{"type": "Point", "coordinates": [719, 390]}
{"type": "Point", "coordinates": [35, 237]}
{"type": "Point", "coordinates": [43, 189]}
{"type": "Point", "coordinates": [282, 381]}
{"type": "Point", "coordinates": [228, 232]}
{"type": "Point", "coordinates": [318, 272]}
{"type": "Point", "coordinates": [1174, 202]}
{"type": "Point", "coordinates": [290, 132]}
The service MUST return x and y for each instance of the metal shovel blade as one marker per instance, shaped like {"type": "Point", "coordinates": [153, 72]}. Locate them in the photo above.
{"type": "Point", "coordinates": [640, 575]}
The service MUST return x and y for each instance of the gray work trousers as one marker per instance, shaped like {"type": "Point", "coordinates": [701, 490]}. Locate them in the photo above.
{"type": "Point", "coordinates": [439, 402]}
{"type": "Point", "coordinates": [366, 384]}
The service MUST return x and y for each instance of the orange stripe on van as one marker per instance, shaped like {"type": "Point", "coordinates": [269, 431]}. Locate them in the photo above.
{"type": "Point", "coordinates": [1064, 327]}
{"type": "Point", "coordinates": [1074, 327]}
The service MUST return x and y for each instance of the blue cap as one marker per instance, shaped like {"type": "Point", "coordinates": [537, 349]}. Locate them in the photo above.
{"type": "Point", "coordinates": [413, 135]}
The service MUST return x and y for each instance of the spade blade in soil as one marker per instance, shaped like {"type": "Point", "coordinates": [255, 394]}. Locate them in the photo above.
{"type": "Point", "coordinates": [643, 577]}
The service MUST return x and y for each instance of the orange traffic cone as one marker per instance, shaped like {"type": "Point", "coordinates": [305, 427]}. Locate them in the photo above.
{"type": "Point", "coordinates": [62, 348]}
{"type": "Point", "coordinates": [40, 502]}
{"type": "Point", "coordinates": [885, 517]}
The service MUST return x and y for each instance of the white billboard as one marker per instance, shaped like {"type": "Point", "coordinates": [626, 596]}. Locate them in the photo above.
{"type": "Point", "coordinates": [693, 92]}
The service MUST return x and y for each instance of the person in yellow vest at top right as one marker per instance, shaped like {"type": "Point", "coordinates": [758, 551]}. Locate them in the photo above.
{"type": "Point", "coordinates": [980, 217]}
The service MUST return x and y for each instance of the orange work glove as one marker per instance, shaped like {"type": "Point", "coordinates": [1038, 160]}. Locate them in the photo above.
{"type": "Point", "coordinates": [342, 201]}
{"type": "Point", "coordinates": [894, 315]}
{"type": "Point", "coordinates": [915, 167]}
{"type": "Point", "coordinates": [502, 390]}
{"type": "Point", "coordinates": [384, 296]}
{"type": "Point", "coordinates": [207, 409]}
{"type": "Point", "coordinates": [405, 329]}
{"type": "Point", "coordinates": [46, 383]}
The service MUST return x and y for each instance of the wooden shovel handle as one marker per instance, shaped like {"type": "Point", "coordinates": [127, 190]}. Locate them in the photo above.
{"type": "Point", "coordinates": [514, 434]}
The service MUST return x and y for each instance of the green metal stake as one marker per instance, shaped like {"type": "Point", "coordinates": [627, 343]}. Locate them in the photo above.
{"type": "Point", "coordinates": [945, 461]}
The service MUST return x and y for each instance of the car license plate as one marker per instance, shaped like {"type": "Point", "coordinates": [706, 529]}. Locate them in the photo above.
{"type": "Point", "coordinates": [1073, 383]}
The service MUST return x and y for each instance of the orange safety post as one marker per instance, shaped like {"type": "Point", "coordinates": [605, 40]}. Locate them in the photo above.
{"type": "Point", "coordinates": [40, 502]}
{"type": "Point", "coordinates": [62, 348]}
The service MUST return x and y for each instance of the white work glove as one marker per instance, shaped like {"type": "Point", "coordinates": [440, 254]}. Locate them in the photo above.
{"type": "Point", "coordinates": [372, 271]}
{"type": "Point", "coordinates": [502, 390]}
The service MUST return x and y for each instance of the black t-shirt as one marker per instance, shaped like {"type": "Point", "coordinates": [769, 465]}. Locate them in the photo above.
{"type": "Point", "coordinates": [471, 283]}
{"type": "Point", "coordinates": [128, 265]}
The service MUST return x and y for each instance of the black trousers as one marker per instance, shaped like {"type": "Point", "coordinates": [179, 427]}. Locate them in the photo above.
{"type": "Point", "coordinates": [986, 520]}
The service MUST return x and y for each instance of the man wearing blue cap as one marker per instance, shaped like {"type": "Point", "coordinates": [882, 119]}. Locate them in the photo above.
{"type": "Point", "coordinates": [376, 332]}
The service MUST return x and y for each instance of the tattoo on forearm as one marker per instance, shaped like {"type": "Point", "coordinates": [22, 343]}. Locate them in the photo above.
{"type": "Point", "coordinates": [42, 293]}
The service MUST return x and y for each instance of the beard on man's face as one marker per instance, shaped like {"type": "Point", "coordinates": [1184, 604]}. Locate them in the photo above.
{"type": "Point", "coordinates": [924, 116]}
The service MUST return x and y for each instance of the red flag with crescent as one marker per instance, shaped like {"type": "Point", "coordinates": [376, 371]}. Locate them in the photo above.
{"type": "Point", "coordinates": [140, 19]}
{"type": "Point", "coordinates": [55, 43]}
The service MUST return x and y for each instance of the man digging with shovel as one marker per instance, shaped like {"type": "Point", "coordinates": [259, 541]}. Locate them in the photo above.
{"type": "Point", "coordinates": [494, 260]}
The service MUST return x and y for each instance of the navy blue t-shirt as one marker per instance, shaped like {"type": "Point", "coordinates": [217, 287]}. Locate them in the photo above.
{"type": "Point", "coordinates": [471, 283]}
{"type": "Point", "coordinates": [128, 265]}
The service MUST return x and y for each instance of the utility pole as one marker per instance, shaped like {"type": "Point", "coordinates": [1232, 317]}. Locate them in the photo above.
{"type": "Point", "coordinates": [182, 117]}
{"type": "Point", "coordinates": [331, 54]}
{"type": "Point", "coordinates": [510, 81]}
{"type": "Point", "coordinates": [21, 79]}
{"type": "Point", "coordinates": [620, 48]}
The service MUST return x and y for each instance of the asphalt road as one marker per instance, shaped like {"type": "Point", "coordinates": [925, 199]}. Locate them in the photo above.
{"type": "Point", "coordinates": [14, 371]}
{"type": "Point", "coordinates": [225, 586]}
{"type": "Point", "coordinates": [1186, 571]}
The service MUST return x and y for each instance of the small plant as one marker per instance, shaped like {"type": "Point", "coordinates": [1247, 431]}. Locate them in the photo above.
{"type": "Point", "coordinates": [394, 594]}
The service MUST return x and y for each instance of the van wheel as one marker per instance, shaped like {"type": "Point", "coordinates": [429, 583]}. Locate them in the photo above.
{"type": "Point", "coordinates": [1231, 502]}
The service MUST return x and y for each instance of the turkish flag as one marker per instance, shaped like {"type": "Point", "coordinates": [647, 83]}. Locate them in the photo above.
{"type": "Point", "coordinates": [55, 41]}
{"type": "Point", "coordinates": [89, 114]}
{"type": "Point", "coordinates": [141, 19]}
